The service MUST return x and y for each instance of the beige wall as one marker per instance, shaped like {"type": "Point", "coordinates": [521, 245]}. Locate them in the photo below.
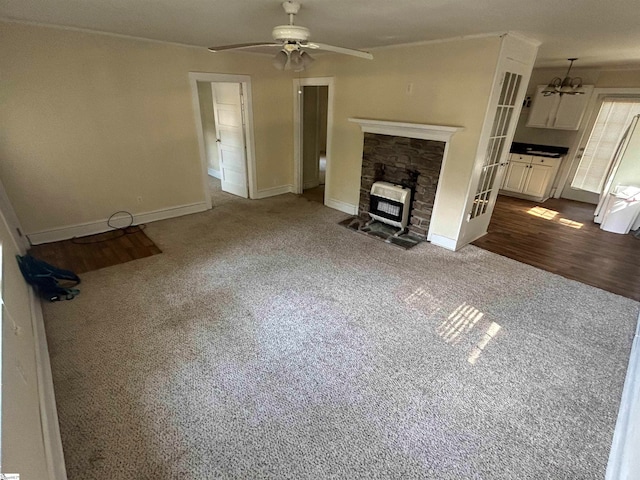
{"type": "Point", "coordinates": [205, 97]}
{"type": "Point", "coordinates": [22, 435]}
{"type": "Point", "coordinates": [91, 122]}
{"type": "Point", "coordinates": [451, 86]}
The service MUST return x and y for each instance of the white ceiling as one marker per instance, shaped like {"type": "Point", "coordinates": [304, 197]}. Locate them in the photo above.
{"type": "Point", "coordinates": [599, 32]}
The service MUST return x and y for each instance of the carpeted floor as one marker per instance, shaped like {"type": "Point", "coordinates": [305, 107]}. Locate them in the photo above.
{"type": "Point", "coordinates": [270, 342]}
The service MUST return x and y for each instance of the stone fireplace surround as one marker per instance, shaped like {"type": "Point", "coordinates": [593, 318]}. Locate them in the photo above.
{"type": "Point", "coordinates": [392, 159]}
{"type": "Point", "coordinates": [391, 151]}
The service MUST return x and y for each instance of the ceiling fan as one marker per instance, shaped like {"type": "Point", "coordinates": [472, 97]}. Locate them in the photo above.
{"type": "Point", "coordinates": [293, 40]}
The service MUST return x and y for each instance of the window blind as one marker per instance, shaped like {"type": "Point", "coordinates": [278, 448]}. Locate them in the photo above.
{"type": "Point", "coordinates": [613, 119]}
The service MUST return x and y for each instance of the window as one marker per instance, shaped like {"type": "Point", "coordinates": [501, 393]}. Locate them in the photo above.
{"type": "Point", "coordinates": [613, 119]}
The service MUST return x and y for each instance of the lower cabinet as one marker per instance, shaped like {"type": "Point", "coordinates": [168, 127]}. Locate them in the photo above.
{"type": "Point", "coordinates": [537, 181]}
{"type": "Point", "coordinates": [515, 175]}
{"type": "Point", "coordinates": [529, 176]}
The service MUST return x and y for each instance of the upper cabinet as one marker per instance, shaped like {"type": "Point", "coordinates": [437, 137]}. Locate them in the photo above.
{"type": "Point", "coordinates": [562, 112]}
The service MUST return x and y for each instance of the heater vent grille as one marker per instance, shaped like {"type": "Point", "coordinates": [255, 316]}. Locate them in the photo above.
{"type": "Point", "coordinates": [390, 204]}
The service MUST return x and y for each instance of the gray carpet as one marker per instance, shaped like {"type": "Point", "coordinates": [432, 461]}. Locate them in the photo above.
{"type": "Point", "coordinates": [270, 342]}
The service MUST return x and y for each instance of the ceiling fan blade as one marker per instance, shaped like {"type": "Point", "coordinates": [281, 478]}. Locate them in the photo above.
{"type": "Point", "coordinates": [345, 51]}
{"type": "Point", "coordinates": [239, 46]}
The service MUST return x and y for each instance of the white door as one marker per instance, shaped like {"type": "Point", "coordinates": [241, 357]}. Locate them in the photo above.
{"type": "Point", "coordinates": [503, 111]}
{"type": "Point", "coordinates": [507, 99]}
{"type": "Point", "coordinates": [228, 112]}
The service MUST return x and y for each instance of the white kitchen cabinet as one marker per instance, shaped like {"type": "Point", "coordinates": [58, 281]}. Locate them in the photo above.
{"type": "Point", "coordinates": [562, 112]}
{"type": "Point", "coordinates": [529, 176]}
{"type": "Point", "coordinates": [516, 173]}
{"type": "Point", "coordinates": [541, 109]}
{"type": "Point", "coordinates": [537, 180]}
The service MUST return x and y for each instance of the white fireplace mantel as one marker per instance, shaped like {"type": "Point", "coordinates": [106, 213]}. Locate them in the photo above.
{"type": "Point", "coordinates": [441, 133]}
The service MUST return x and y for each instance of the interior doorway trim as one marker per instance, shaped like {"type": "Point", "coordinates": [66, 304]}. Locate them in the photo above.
{"type": "Point", "coordinates": [298, 83]}
{"type": "Point", "coordinates": [245, 80]}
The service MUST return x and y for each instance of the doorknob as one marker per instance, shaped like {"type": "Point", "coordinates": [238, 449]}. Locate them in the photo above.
{"type": "Point", "coordinates": [217, 140]}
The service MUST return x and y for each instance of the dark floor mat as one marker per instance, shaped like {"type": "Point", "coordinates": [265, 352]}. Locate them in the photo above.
{"type": "Point", "coordinates": [382, 231]}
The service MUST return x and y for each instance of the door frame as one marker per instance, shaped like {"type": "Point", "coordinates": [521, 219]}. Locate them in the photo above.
{"type": "Point", "coordinates": [11, 221]}
{"type": "Point", "coordinates": [298, 83]}
{"type": "Point", "coordinates": [568, 170]}
{"type": "Point", "coordinates": [245, 80]}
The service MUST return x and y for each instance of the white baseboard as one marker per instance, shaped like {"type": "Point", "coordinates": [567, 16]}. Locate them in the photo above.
{"type": "Point", "coordinates": [342, 206]}
{"type": "Point", "coordinates": [462, 242]}
{"type": "Point", "coordinates": [441, 241]}
{"type": "Point", "coordinates": [47, 399]}
{"type": "Point", "coordinates": [214, 173]}
{"type": "Point", "coordinates": [272, 192]}
{"type": "Point", "coordinates": [91, 228]}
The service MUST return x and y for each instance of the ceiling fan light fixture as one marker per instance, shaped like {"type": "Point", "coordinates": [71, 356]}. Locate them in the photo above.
{"type": "Point", "coordinates": [307, 59]}
{"type": "Point", "coordinates": [297, 63]}
{"type": "Point", "coordinates": [291, 40]}
{"type": "Point", "coordinates": [280, 60]}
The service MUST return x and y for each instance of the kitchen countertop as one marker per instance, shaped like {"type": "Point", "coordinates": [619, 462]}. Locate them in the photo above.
{"type": "Point", "coordinates": [538, 150]}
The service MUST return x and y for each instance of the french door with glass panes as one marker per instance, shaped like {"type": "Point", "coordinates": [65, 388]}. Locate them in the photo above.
{"type": "Point", "coordinates": [490, 167]}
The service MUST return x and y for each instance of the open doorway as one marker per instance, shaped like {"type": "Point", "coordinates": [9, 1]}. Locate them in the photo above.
{"type": "Point", "coordinates": [313, 117]}
{"type": "Point", "coordinates": [224, 123]}
{"type": "Point", "coordinates": [314, 141]}
{"type": "Point", "coordinates": [207, 118]}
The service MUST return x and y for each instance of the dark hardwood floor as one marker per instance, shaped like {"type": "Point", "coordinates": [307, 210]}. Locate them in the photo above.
{"type": "Point", "coordinates": [315, 194]}
{"type": "Point", "coordinates": [96, 251]}
{"type": "Point", "coordinates": [560, 236]}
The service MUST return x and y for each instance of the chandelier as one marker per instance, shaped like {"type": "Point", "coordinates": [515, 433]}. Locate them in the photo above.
{"type": "Point", "coordinates": [566, 86]}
